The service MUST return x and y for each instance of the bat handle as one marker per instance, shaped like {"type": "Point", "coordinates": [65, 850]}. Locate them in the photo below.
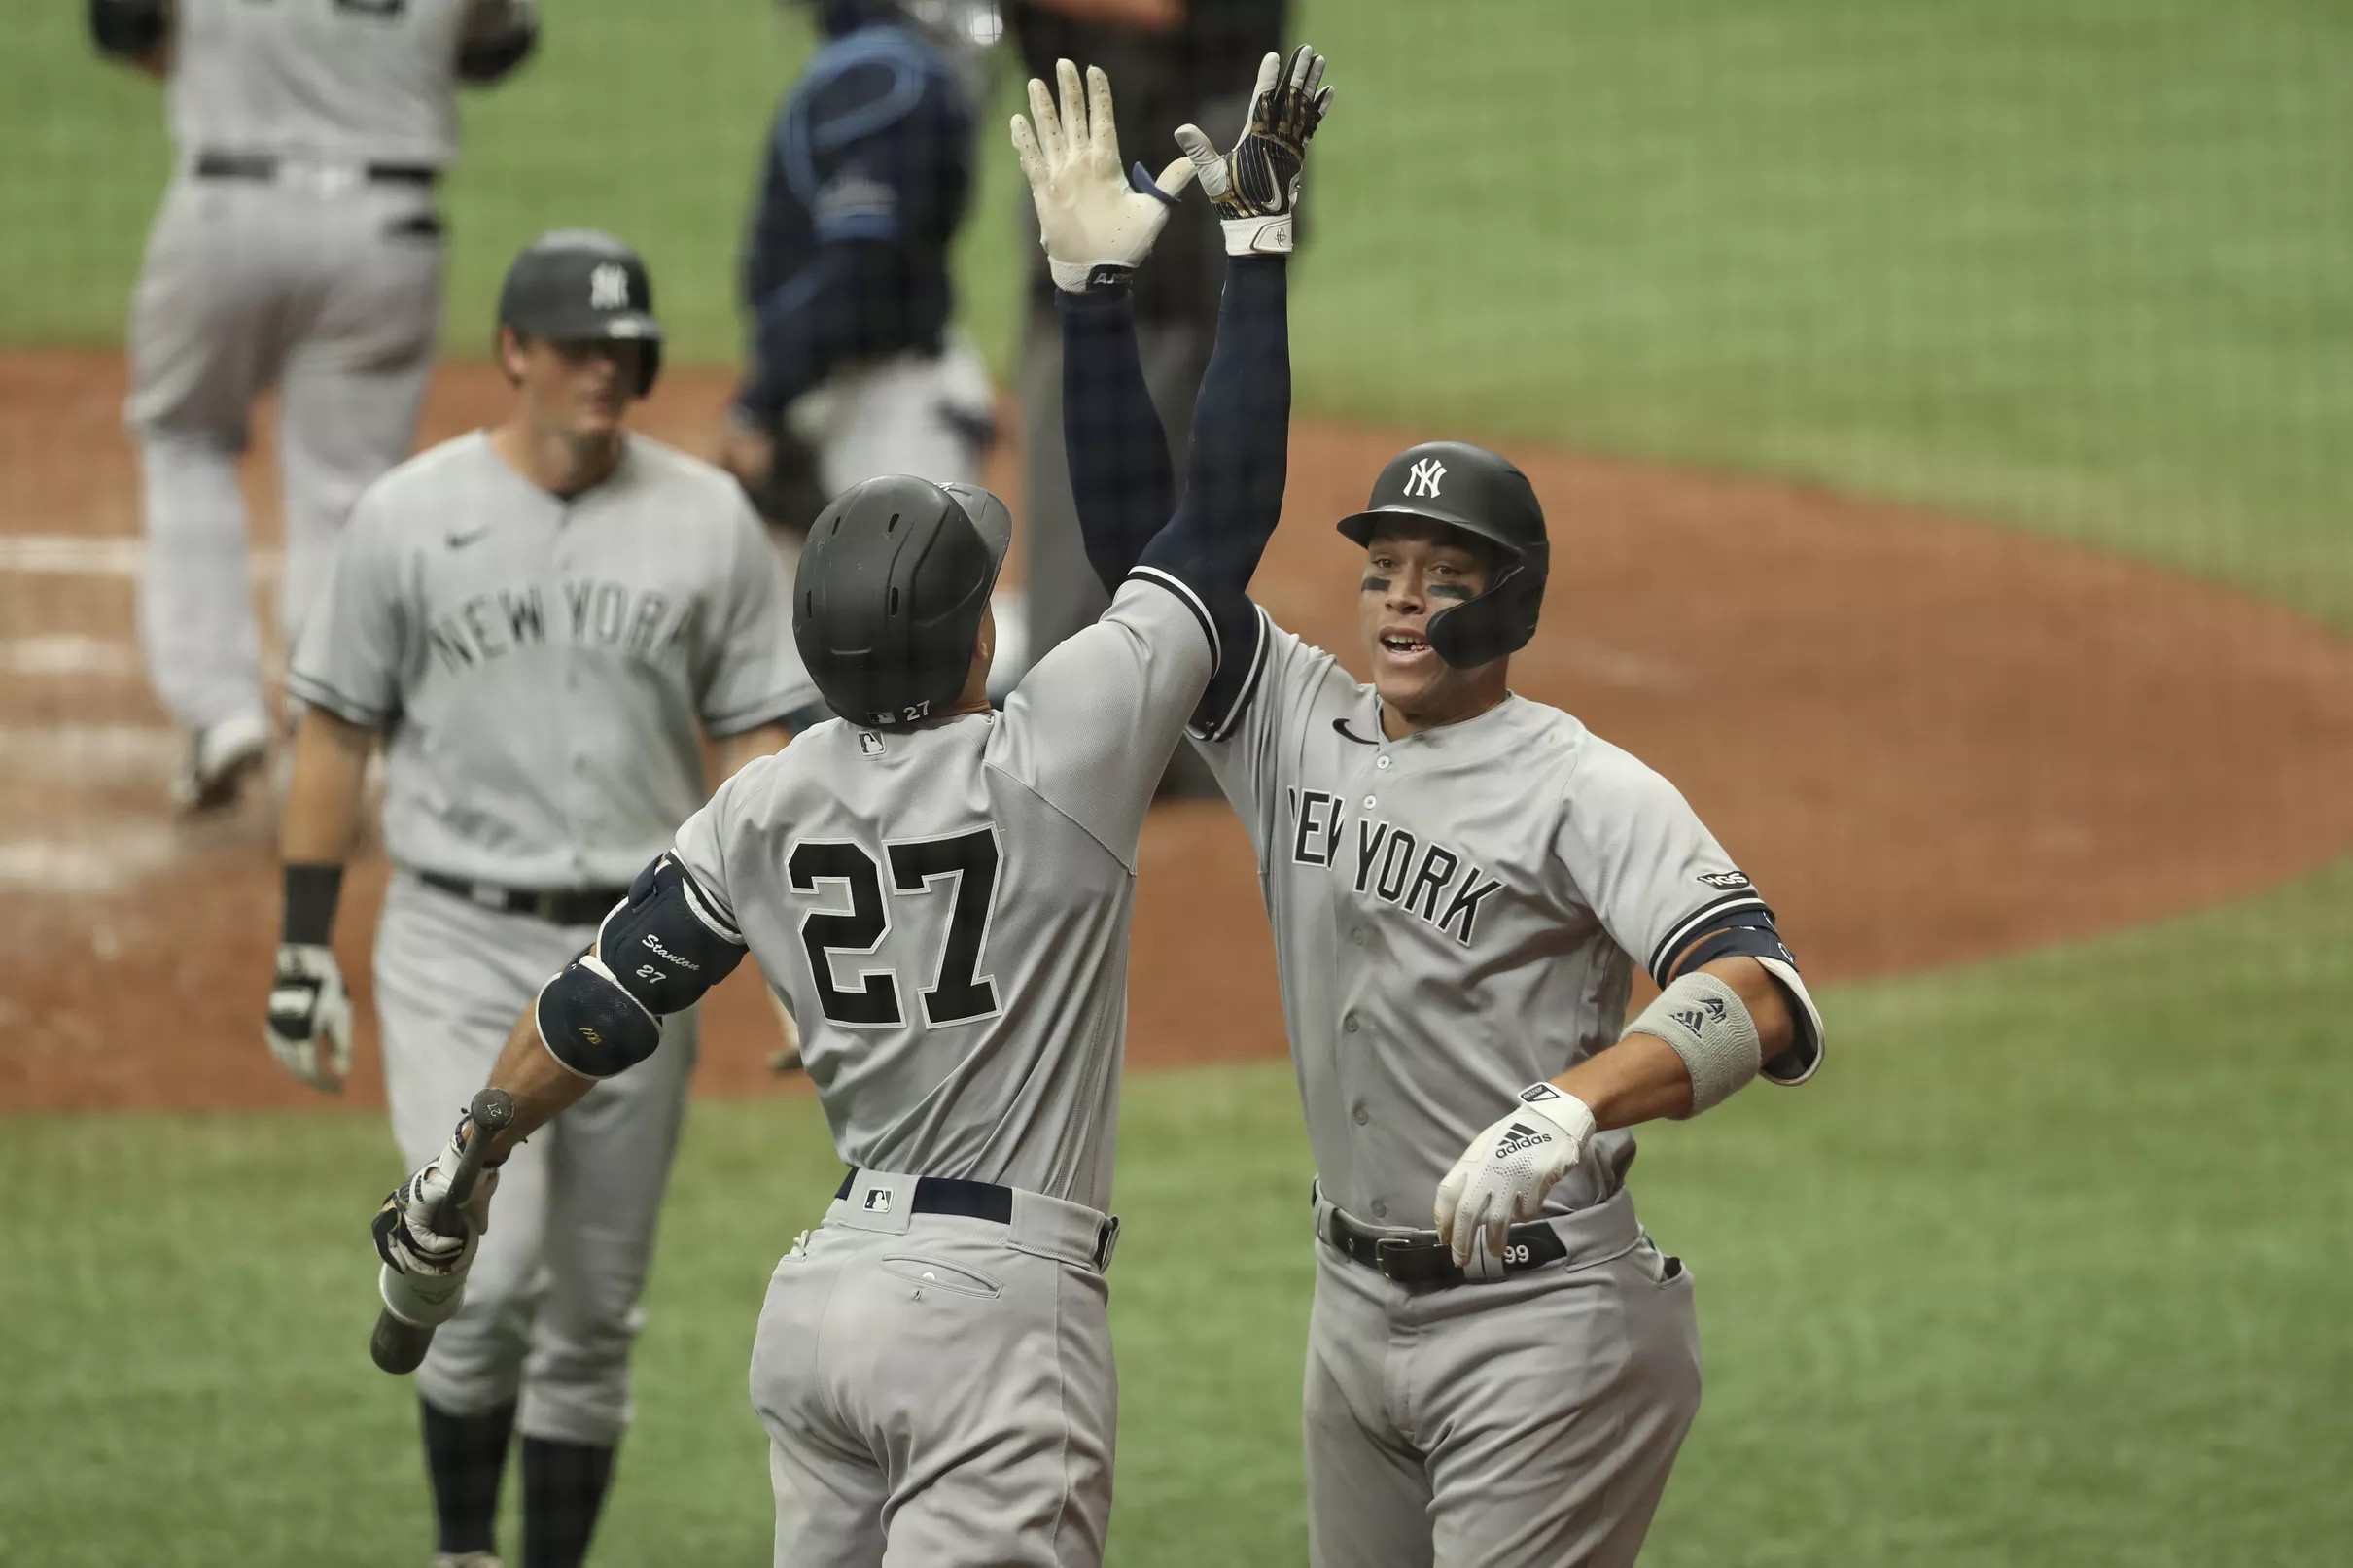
{"type": "Point", "coordinates": [395, 1346]}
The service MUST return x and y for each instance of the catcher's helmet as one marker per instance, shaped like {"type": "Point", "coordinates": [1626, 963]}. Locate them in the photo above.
{"type": "Point", "coordinates": [893, 584]}
{"type": "Point", "coordinates": [582, 285]}
{"type": "Point", "coordinates": [1471, 488]}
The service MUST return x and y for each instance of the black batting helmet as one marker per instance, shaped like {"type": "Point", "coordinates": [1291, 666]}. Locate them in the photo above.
{"type": "Point", "coordinates": [1471, 488]}
{"type": "Point", "coordinates": [580, 286]}
{"type": "Point", "coordinates": [893, 584]}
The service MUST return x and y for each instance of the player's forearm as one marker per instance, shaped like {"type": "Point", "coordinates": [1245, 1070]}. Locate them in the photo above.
{"type": "Point", "coordinates": [1121, 478]}
{"type": "Point", "coordinates": [321, 822]}
{"type": "Point", "coordinates": [1642, 1078]}
{"type": "Point", "coordinates": [323, 798]}
{"type": "Point", "coordinates": [543, 1086]}
{"type": "Point", "coordinates": [1235, 476]}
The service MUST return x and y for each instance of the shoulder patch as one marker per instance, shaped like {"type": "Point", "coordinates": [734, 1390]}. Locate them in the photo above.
{"type": "Point", "coordinates": [1726, 880]}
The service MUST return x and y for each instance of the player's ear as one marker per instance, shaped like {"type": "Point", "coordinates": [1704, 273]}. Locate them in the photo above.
{"type": "Point", "coordinates": [510, 354]}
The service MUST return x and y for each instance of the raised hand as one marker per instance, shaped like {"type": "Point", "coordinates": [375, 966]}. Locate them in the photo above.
{"type": "Point", "coordinates": [1090, 216]}
{"type": "Point", "coordinates": [1255, 187]}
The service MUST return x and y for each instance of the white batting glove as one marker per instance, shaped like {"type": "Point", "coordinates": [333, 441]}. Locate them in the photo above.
{"type": "Point", "coordinates": [1502, 1179]}
{"type": "Point", "coordinates": [309, 1028]}
{"type": "Point", "coordinates": [1090, 214]}
{"type": "Point", "coordinates": [1255, 188]}
{"type": "Point", "coordinates": [406, 1228]}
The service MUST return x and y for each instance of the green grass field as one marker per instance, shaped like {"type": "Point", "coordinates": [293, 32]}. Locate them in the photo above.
{"type": "Point", "coordinates": [2046, 1269]}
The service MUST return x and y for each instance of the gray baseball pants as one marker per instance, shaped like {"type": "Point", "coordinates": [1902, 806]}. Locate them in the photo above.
{"type": "Point", "coordinates": [939, 1390]}
{"type": "Point", "coordinates": [324, 285]}
{"type": "Point", "coordinates": [551, 1302]}
{"type": "Point", "coordinates": [1528, 1423]}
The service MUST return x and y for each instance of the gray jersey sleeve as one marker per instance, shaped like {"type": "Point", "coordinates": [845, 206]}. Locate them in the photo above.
{"type": "Point", "coordinates": [355, 639]}
{"type": "Point", "coordinates": [701, 846]}
{"type": "Point", "coordinates": [752, 673]}
{"type": "Point", "coordinates": [1253, 746]}
{"type": "Point", "coordinates": [1638, 856]}
{"type": "Point", "coordinates": [1090, 728]}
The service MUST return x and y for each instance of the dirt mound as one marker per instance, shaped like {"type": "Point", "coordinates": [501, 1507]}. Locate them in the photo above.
{"type": "Point", "coordinates": [1926, 741]}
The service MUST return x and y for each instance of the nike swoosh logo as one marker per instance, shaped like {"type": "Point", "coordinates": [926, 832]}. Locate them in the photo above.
{"type": "Point", "coordinates": [1347, 734]}
{"type": "Point", "coordinates": [458, 542]}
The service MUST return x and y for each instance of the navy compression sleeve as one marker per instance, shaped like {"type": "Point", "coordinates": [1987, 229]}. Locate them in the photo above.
{"type": "Point", "coordinates": [1120, 473]}
{"type": "Point", "coordinates": [1234, 473]}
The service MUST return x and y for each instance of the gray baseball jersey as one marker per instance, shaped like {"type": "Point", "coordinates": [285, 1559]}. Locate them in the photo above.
{"type": "Point", "coordinates": [1453, 914]}
{"type": "Point", "coordinates": [369, 81]}
{"type": "Point", "coordinates": [540, 665]}
{"type": "Point", "coordinates": [945, 909]}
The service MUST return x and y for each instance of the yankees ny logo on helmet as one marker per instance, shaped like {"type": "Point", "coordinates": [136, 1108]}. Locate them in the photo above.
{"type": "Point", "coordinates": [1424, 480]}
{"type": "Point", "coordinates": [609, 288]}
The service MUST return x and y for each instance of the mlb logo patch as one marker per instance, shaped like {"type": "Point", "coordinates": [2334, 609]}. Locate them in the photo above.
{"type": "Point", "coordinates": [869, 744]}
{"type": "Point", "coordinates": [878, 1200]}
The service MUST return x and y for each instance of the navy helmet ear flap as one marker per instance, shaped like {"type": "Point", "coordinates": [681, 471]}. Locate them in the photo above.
{"type": "Point", "coordinates": [1497, 622]}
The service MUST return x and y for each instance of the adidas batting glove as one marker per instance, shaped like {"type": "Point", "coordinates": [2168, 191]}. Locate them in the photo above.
{"type": "Point", "coordinates": [1502, 1179]}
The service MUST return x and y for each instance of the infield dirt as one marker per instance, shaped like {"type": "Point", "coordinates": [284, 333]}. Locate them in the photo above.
{"type": "Point", "coordinates": [1926, 741]}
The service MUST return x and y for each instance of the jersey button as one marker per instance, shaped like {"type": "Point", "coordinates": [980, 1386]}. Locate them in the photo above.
{"type": "Point", "coordinates": [1359, 936]}
{"type": "Point", "coordinates": [1348, 1022]}
{"type": "Point", "coordinates": [1379, 1209]}
{"type": "Point", "coordinates": [1370, 802]}
{"type": "Point", "coordinates": [1380, 762]}
{"type": "Point", "coordinates": [1362, 1116]}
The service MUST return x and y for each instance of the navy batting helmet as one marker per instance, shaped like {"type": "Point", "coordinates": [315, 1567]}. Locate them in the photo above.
{"type": "Point", "coordinates": [1471, 488]}
{"type": "Point", "coordinates": [893, 584]}
{"type": "Point", "coordinates": [583, 286]}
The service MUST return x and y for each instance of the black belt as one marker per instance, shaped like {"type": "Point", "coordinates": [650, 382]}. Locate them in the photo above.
{"type": "Point", "coordinates": [265, 167]}
{"type": "Point", "coordinates": [975, 1200]}
{"type": "Point", "coordinates": [952, 1194]}
{"type": "Point", "coordinates": [1420, 1258]}
{"type": "Point", "coordinates": [564, 906]}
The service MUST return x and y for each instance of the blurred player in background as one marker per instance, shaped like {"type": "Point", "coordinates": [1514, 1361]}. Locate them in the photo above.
{"type": "Point", "coordinates": [855, 369]}
{"type": "Point", "coordinates": [543, 622]}
{"type": "Point", "coordinates": [298, 244]}
{"type": "Point", "coordinates": [1177, 63]}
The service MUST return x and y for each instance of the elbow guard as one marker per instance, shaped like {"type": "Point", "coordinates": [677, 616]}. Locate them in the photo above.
{"type": "Point", "coordinates": [658, 953]}
{"type": "Point", "coordinates": [1753, 935]}
{"type": "Point", "coordinates": [127, 28]}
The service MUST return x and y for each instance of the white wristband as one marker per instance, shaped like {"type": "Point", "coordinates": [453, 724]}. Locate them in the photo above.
{"type": "Point", "coordinates": [1258, 235]}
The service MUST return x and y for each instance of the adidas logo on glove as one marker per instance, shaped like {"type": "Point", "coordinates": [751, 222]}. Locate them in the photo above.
{"type": "Point", "coordinates": [1520, 1137]}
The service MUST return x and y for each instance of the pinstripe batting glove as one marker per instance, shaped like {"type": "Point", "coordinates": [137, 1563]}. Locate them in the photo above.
{"type": "Point", "coordinates": [1502, 1179]}
{"type": "Point", "coordinates": [1255, 187]}
{"type": "Point", "coordinates": [1095, 223]}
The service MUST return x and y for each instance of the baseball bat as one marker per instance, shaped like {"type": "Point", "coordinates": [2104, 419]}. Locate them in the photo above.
{"type": "Point", "coordinates": [397, 1346]}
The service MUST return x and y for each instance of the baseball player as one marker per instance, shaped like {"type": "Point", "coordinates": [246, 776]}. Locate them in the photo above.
{"type": "Point", "coordinates": [855, 367]}
{"type": "Point", "coordinates": [543, 622]}
{"type": "Point", "coordinates": [943, 893]}
{"type": "Point", "coordinates": [1500, 1364]}
{"type": "Point", "coordinates": [298, 244]}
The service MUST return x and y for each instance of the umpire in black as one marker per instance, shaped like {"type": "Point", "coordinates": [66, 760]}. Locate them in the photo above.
{"type": "Point", "coordinates": [1177, 61]}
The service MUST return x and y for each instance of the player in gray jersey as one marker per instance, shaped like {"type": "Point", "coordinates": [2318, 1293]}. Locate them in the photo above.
{"type": "Point", "coordinates": [942, 893]}
{"type": "Point", "coordinates": [543, 622]}
{"type": "Point", "coordinates": [1461, 881]}
{"type": "Point", "coordinates": [297, 245]}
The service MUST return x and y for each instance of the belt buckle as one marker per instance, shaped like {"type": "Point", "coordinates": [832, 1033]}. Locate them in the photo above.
{"type": "Point", "coordinates": [318, 176]}
{"type": "Point", "coordinates": [1382, 1250]}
